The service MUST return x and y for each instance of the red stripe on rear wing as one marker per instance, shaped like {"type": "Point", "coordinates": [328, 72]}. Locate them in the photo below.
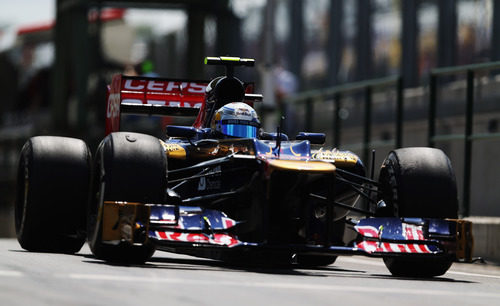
{"type": "Point", "coordinates": [153, 96]}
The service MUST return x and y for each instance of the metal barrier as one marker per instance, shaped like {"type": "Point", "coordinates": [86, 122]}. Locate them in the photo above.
{"type": "Point", "coordinates": [367, 87]}
{"type": "Point", "coordinates": [468, 136]}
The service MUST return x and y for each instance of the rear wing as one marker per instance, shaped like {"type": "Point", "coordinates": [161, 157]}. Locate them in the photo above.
{"type": "Point", "coordinates": [152, 96]}
{"type": "Point", "coordinates": [158, 96]}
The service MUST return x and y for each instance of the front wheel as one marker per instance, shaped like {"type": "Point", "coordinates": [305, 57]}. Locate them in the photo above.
{"type": "Point", "coordinates": [420, 183]}
{"type": "Point", "coordinates": [129, 167]}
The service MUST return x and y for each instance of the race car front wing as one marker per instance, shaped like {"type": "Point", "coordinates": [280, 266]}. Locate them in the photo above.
{"type": "Point", "coordinates": [173, 226]}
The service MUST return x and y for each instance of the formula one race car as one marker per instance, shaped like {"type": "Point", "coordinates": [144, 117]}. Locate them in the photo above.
{"type": "Point", "coordinates": [225, 189]}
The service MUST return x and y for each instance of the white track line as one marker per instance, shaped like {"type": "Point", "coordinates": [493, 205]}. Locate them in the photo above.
{"type": "Point", "coordinates": [282, 285]}
{"type": "Point", "coordinates": [10, 273]}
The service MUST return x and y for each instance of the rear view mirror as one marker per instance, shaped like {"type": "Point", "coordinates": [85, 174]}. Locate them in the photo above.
{"type": "Point", "coordinates": [273, 136]}
{"type": "Point", "coordinates": [314, 138]}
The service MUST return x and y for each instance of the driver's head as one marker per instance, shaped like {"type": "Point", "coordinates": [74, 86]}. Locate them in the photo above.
{"type": "Point", "coordinates": [236, 119]}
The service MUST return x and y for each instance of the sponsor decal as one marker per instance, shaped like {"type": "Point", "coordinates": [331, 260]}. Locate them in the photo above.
{"type": "Point", "coordinates": [162, 92]}
{"type": "Point", "coordinates": [217, 239]}
{"type": "Point", "coordinates": [206, 183]}
{"type": "Point", "coordinates": [202, 185]}
{"type": "Point", "coordinates": [243, 112]}
{"type": "Point", "coordinates": [412, 232]}
{"type": "Point", "coordinates": [113, 109]}
{"type": "Point", "coordinates": [227, 222]}
{"type": "Point", "coordinates": [336, 155]}
{"type": "Point", "coordinates": [409, 232]}
{"type": "Point", "coordinates": [367, 231]}
{"type": "Point", "coordinates": [174, 150]}
{"type": "Point", "coordinates": [386, 247]}
{"type": "Point", "coordinates": [172, 147]}
{"type": "Point", "coordinates": [164, 86]}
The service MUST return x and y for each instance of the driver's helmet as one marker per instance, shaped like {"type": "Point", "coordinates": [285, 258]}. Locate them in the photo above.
{"type": "Point", "coordinates": [236, 119]}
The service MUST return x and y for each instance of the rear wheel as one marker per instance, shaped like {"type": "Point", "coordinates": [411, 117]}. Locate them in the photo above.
{"type": "Point", "coordinates": [418, 182]}
{"type": "Point", "coordinates": [129, 167]}
{"type": "Point", "coordinates": [53, 182]}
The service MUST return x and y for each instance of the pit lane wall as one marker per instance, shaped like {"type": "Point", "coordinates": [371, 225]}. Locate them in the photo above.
{"type": "Point", "coordinates": [486, 231]}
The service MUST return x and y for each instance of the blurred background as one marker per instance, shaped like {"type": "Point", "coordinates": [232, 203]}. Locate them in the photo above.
{"type": "Point", "coordinates": [56, 57]}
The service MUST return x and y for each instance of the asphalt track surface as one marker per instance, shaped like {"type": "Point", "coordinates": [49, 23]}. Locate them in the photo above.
{"type": "Point", "coordinates": [170, 279]}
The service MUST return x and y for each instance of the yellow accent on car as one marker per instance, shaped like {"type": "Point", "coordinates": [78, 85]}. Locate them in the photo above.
{"type": "Point", "coordinates": [465, 240]}
{"type": "Point", "coordinates": [230, 58]}
{"type": "Point", "coordinates": [209, 58]}
{"type": "Point", "coordinates": [119, 220]}
{"type": "Point", "coordinates": [340, 158]}
{"type": "Point", "coordinates": [174, 150]}
{"type": "Point", "coordinates": [301, 166]}
{"type": "Point", "coordinates": [293, 152]}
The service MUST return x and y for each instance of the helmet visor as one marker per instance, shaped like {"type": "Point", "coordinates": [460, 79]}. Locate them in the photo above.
{"type": "Point", "coordinates": [239, 130]}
